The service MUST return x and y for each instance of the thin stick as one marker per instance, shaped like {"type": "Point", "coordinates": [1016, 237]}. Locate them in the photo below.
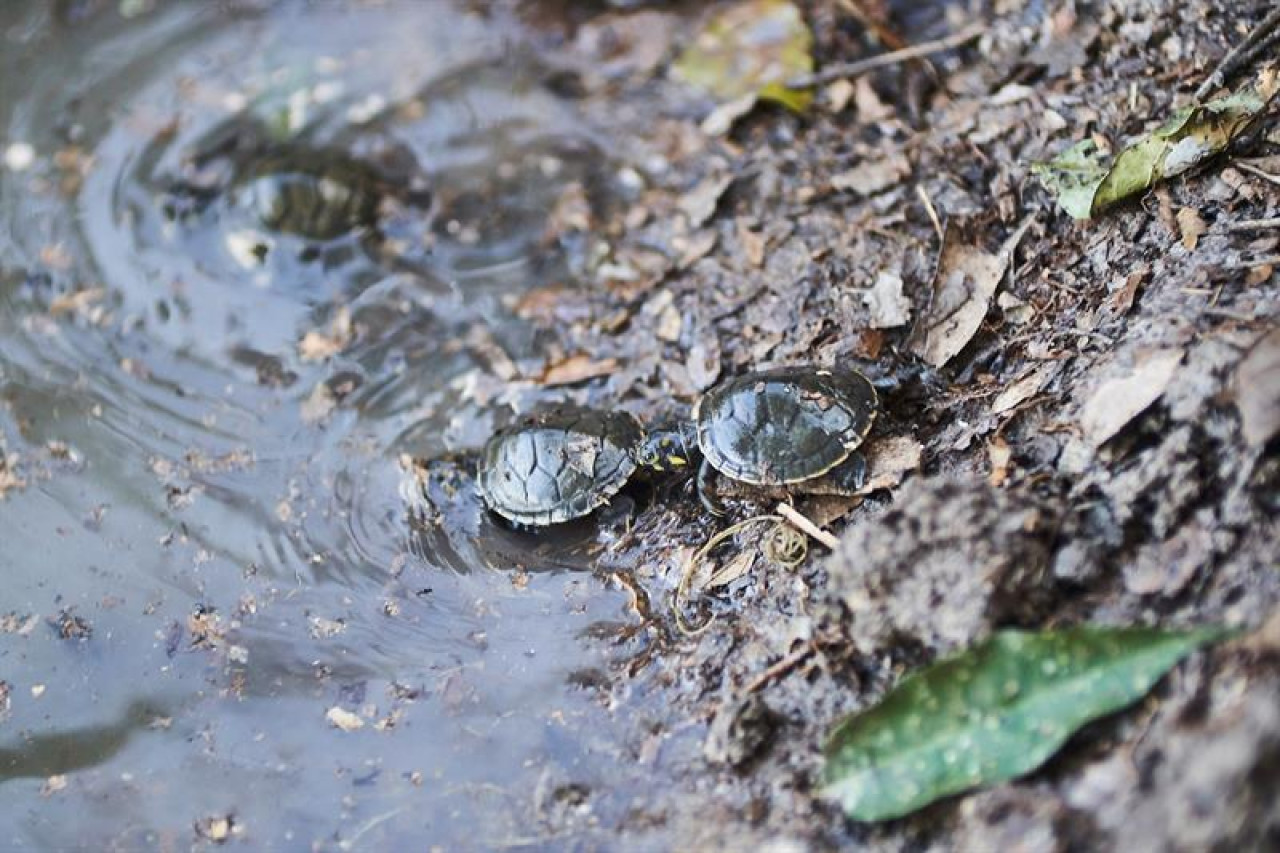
{"type": "Point", "coordinates": [804, 525]}
{"type": "Point", "coordinates": [933, 214]}
{"type": "Point", "coordinates": [861, 66]}
{"type": "Point", "coordinates": [1240, 55]}
{"type": "Point", "coordinates": [780, 668]}
{"type": "Point", "coordinates": [1252, 224]}
{"type": "Point", "coordinates": [1254, 170]}
{"type": "Point", "coordinates": [1265, 261]}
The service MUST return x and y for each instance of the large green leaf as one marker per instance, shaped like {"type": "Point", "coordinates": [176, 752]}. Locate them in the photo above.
{"type": "Point", "coordinates": [1085, 183]}
{"type": "Point", "coordinates": [991, 713]}
{"type": "Point", "coordinates": [751, 48]}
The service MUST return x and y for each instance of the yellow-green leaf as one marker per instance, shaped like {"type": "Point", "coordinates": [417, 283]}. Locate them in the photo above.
{"type": "Point", "coordinates": [1085, 183]}
{"type": "Point", "coordinates": [992, 713]}
{"type": "Point", "coordinates": [752, 47]}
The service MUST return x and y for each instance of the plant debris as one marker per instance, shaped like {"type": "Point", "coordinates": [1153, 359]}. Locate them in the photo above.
{"type": "Point", "coordinates": [1085, 183]}
{"type": "Point", "coordinates": [965, 279]}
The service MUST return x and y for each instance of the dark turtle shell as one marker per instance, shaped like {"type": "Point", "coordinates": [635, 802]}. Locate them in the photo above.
{"type": "Point", "coordinates": [784, 426]}
{"type": "Point", "coordinates": [558, 465]}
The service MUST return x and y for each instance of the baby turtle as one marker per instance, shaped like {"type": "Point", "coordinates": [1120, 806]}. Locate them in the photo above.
{"type": "Point", "coordinates": [775, 428]}
{"type": "Point", "coordinates": [558, 465]}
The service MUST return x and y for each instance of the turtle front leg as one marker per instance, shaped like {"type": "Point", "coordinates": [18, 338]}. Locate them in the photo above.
{"type": "Point", "coordinates": [707, 489]}
{"type": "Point", "coordinates": [849, 476]}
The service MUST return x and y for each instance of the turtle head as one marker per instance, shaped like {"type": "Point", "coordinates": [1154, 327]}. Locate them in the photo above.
{"type": "Point", "coordinates": [668, 449]}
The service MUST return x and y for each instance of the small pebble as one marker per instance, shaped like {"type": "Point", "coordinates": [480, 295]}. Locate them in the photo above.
{"type": "Point", "coordinates": [19, 156]}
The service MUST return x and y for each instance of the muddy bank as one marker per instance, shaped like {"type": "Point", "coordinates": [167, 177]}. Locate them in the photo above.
{"type": "Point", "coordinates": [1087, 453]}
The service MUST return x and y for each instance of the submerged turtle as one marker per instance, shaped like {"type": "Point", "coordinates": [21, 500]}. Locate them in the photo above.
{"type": "Point", "coordinates": [774, 428]}
{"type": "Point", "coordinates": [558, 465]}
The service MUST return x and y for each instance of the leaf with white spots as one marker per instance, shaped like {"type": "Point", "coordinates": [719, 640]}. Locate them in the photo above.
{"type": "Point", "coordinates": [992, 713]}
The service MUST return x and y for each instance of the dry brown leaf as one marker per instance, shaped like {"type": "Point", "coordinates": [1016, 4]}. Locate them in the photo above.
{"type": "Point", "coordinates": [965, 281]}
{"type": "Point", "coordinates": [889, 460]}
{"type": "Point", "coordinates": [868, 104]}
{"type": "Point", "coordinates": [837, 96]}
{"type": "Point", "coordinates": [669, 324]}
{"type": "Point", "coordinates": [1257, 390]}
{"type": "Point", "coordinates": [721, 119]}
{"type": "Point", "coordinates": [1024, 388]}
{"type": "Point", "coordinates": [1191, 227]}
{"type": "Point", "coordinates": [888, 305]}
{"type": "Point", "coordinates": [697, 248]}
{"type": "Point", "coordinates": [699, 204]}
{"type": "Point", "coordinates": [873, 176]}
{"type": "Point", "coordinates": [753, 244]}
{"type": "Point", "coordinates": [738, 566]}
{"type": "Point", "coordinates": [1117, 401]}
{"type": "Point", "coordinates": [1122, 299]}
{"type": "Point", "coordinates": [577, 368]}
{"type": "Point", "coordinates": [1258, 275]}
{"type": "Point", "coordinates": [999, 454]}
{"type": "Point", "coordinates": [866, 343]}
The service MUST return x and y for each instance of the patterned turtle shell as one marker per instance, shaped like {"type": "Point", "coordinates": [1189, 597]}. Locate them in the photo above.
{"type": "Point", "coordinates": [558, 465]}
{"type": "Point", "coordinates": [783, 426]}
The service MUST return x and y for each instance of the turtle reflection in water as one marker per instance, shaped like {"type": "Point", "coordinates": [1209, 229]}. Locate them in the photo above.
{"type": "Point", "coordinates": [316, 193]}
{"type": "Point", "coordinates": [792, 428]}
{"type": "Point", "coordinates": [312, 194]}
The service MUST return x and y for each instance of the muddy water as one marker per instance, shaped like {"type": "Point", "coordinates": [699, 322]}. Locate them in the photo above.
{"type": "Point", "coordinates": [210, 552]}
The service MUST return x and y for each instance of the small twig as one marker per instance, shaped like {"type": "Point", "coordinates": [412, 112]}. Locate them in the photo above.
{"type": "Point", "coordinates": [1264, 261]}
{"type": "Point", "coordinates": [860, 66]}
{"type": "Point", "coordinates": [797, 520]}
{"type": "Point", "coordinates": [1252, 224]}
{"type": "Point", "coordinates": [1240, 55]}
{"type": "Point", "coordinates": [780, 668]}
{"type": "Point", "coordinates": [1228, 314]}
{"type": "Point", "coordinates": [933, 214]}
{"type": "Point", "coordinates": [1254, 170]}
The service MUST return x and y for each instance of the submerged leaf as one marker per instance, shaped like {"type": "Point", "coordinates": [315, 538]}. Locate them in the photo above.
{"type": "Point", "coordinates": [751, 48]}
{"type": "Point", "coordinates": [992, 713]}
{"type": "Point", "coordinates": [1085, 183]}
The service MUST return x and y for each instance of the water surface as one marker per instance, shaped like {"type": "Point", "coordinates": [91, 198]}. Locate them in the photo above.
{"type": "Point", "coordinates": [210, 552]}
